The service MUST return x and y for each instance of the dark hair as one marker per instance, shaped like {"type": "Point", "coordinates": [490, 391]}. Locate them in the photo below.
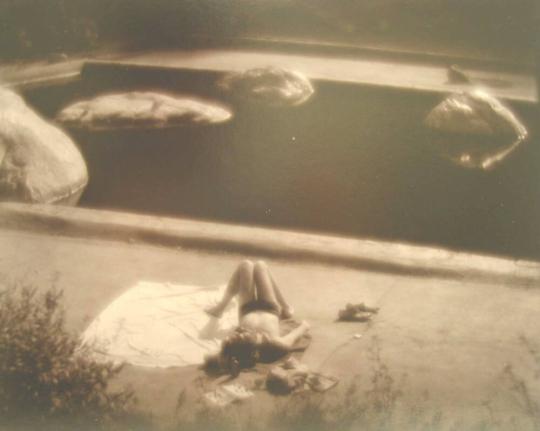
{"type": "Point", "coordinates": [239, 351]}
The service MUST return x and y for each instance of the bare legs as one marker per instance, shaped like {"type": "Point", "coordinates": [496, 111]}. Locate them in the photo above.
{"type": "Point", "coordinates": [268, 290]}
{"type": "Point", "coordinates": [241, 284]}
{"type": "Point", "coordinates": [252, 281]}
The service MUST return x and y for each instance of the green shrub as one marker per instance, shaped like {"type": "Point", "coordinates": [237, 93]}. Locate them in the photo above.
{"type": "Point", "coordinates": [46, 379]}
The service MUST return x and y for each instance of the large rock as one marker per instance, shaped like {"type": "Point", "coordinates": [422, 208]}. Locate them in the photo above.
{"type": "Point", "coordinates": [271, 86]}
{"type": "Point", "coordinates": [475, 130]}
{"type": "Point", "coordinates": [133, 110]}
{"type": "Point", "coordinates": [474, 112]}
{"type": "Point", "coordinates": [38, 162]}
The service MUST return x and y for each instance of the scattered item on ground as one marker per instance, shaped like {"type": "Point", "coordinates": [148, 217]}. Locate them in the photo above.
{"type": "Point", "coordinates": [457, 76]}
{"type": "Point", "coordinates": [238, 391]}
{"type": "Point", "coordinates": [292, 376]}
{"type": "Point", "coordinates": [160, 325]}
{"type": "Point", "coordinates": [136, 110]}
{"type": "Point", "coordinates": [287, 377]}
{"type": "Point", "coordinates": [320, 382]}
{"type": "Point", "coordinates": [217, 399]}
{"type": "Point", "coordinates": [281, 381]}
{"type": "Point", "coordinates": [227, 394]}
{"type": "Point", "coordinates": [272, 86]}
{"type": "Point", "coordinates": [357, 313]}
{"type": "Point", "coordinates": [39, 163]}
{"type": "Point", "coordinates": [475, 130]}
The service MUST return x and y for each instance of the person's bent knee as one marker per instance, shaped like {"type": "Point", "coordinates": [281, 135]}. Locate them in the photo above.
{"type": "Point", "coordinates": [261, 265]}
{"type": "Point", "coordinates": [246, 266]}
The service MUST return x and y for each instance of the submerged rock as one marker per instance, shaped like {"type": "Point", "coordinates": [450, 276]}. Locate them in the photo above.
{"type": "Point", "coordinates": [475, 130]}
{"type": "Point", "coordinates": [39, 163]}
{"type": "Point", "coordinates": [141, 110]}
{"type": "Point", "coordinates": [271, 86]}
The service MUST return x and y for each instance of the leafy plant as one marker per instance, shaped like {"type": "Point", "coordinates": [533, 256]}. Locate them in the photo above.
{"type": "Point", "coordinates": [46, 379]}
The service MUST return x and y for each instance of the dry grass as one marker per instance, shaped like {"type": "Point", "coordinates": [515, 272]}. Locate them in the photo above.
{"type": "Point", "coordinates": [380, 407]}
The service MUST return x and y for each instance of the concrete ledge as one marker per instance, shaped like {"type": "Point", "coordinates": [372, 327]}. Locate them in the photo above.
{"type": "Point", "coordinates": [378, 73]}
{"type": "Point", "coordinates": [366, 255]}
{"type": "Point", "coordinates": [372, 68]}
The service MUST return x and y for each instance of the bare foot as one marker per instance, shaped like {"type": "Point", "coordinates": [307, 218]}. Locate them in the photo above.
{"type": "Point", "coordinates": [214, 311]}
{"type": "Point", "coordinates": [306, 325]}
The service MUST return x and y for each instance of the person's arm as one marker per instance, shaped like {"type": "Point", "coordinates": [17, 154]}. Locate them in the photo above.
{"type": "Point", "coordinates": [286, 342]}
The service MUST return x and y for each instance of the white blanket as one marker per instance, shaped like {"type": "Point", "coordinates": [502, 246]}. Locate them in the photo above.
{"type": "Point", "coordinates": [159, 325]}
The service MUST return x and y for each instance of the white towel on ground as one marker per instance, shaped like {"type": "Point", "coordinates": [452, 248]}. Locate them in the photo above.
{"type": "Point", "coordinates": [160, 325]}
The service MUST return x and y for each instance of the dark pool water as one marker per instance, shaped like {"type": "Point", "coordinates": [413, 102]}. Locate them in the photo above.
{"type": "Point", "coordinates": [353, 161]}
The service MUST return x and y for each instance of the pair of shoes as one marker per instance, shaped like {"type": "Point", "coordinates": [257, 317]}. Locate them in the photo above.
{"type": "Point", "coordinates": [357, 312]}
{"type": "Point", "coordinates": [359, 308]}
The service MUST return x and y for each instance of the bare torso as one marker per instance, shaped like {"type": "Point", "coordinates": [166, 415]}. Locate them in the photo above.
{"type": "Point", "coordinates": [261, 321]}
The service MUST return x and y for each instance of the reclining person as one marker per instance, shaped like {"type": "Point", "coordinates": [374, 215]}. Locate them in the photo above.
{"type": "Point", "coordinates": [261, 306]}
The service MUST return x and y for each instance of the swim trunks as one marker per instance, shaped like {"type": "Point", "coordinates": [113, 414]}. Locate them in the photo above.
{"type": "Point", "coordinates": [259, 305]}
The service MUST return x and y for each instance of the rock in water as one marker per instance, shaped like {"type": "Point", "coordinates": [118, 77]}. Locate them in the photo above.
{"type": "Point", "coordinates": [38, 162]}
{"type": "Point", "coordinates": [475, 130]}
{"type": "Point", "coordinates": [271, 86]}
{"type": "Point", "coordinates": [134, 110]}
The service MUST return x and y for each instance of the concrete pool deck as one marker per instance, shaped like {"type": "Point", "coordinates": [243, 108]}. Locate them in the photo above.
{"type": "Point", "coordinates": [450, 324]}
